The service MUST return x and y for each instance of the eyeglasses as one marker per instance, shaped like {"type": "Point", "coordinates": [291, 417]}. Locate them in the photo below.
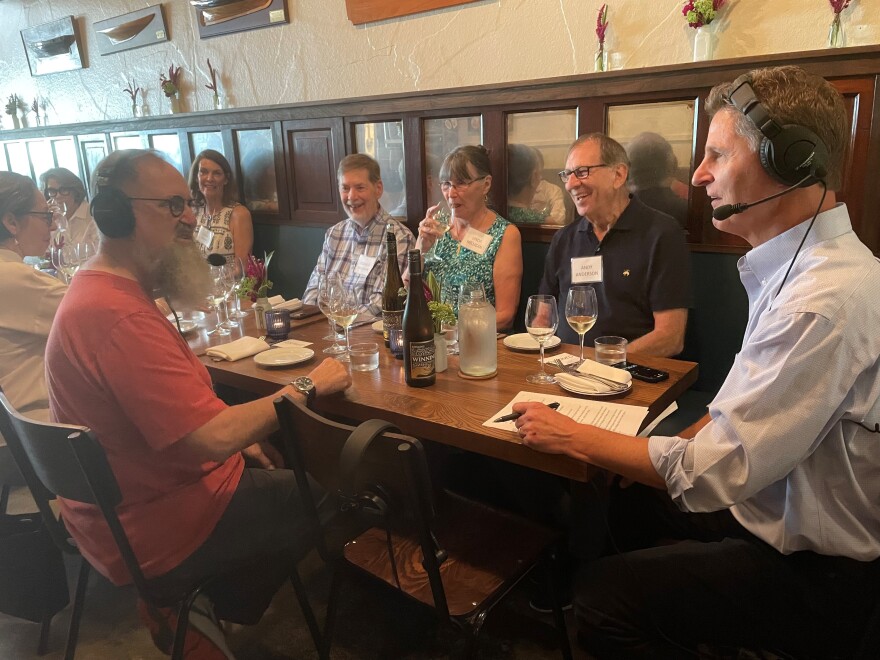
{"type": "Point", "coordinates": [63, 190]}
{"type": "Point", "coordinates": [175, 203]}
{"type": "Point", "coordinates": [581, 172]}
{"type": "Point", "coordinates": [48, 216]}
{"type": "Point", "coordinates": [446, 186]}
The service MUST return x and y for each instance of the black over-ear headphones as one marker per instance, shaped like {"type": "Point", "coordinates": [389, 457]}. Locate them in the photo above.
{"type": "Point", "coordinates": [371, 498]}
{"type": "Point", "coordinates": [110, 207]}
{"type": "Point", "coordinates": [788, 153]}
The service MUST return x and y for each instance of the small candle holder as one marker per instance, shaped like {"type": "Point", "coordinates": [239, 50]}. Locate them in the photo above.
{"type": "Point", "coordinates": [277, 323]}
{"type": "Point", "coordinates": [395, 342]}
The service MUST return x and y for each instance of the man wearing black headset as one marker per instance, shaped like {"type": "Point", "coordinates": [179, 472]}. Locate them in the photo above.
{"type": "Point", "coordinates": [774, 494]}
{"type": "Point", "coordinates": [114, 363]}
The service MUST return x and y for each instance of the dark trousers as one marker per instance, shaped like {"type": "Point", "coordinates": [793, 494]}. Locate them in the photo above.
{"type": "Point", "coordinates": [721, 586]}
{"type": "Point", "coordinates": [259, 536]}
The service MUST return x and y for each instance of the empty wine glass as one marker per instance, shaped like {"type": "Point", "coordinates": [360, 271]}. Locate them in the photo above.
{"type": "Point", "coordinates": [227, 272]}
{"type": "Point", "coordinates": [217, 297]}
{"type": "Point", "coordinates": [449, 294]}
{"type": "Point", "coordinates": [237, 274]}
{"type": "Point", "coordinates": [65, 258]}
{"type": "Point", "coordinates": [85, 250]}
{"type": "Point", "coordinates": [343, 307]}
{"type": "Point", "coordinates": [324, 283]}
{"type": "Point", "coordinates": [542, 318]}
{"type": "Point", "coordinates": [581, 311]}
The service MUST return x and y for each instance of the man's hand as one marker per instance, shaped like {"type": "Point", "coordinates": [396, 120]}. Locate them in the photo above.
{"type": "Point", "coordinates": [543, 428]}
{"type": "Point", "coordinates": [264, 454]}
{"type": "Point", "coordinates": [330, 376]}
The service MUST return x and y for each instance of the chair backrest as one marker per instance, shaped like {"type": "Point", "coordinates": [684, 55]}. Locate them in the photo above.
{"type": "Point", "coordinates": [371, 470]}
{"type": "Point", "coordinates": [67, 461]}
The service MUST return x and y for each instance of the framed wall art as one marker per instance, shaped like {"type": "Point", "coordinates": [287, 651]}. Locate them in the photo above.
{"type": "Point", "coordinates": [132, 30]}
{"type": "Point", "coordinates": [216, 17]}
{"type": "Point", "coordinates": [367, 11]}
{"type": "Point", "coordinates": [53, 47]}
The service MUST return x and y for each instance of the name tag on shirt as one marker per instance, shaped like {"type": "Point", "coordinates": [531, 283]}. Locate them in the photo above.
{"type": "Point", "coordinates": [204, 236]}
{"type": "Point", "coordinates": [364, 265]}
{"type": "Point", "coordinates": [586, 270]}
{"type": "Point", "coordinates": [476, 241]}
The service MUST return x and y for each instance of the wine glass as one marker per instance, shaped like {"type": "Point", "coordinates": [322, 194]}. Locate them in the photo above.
{"type": "Point", "coordinates": [65, 258]}
{"type": "Point", "coordinates": [217, 297]}
{"type": "Point", "coordinates": [449, 294]}
{"type": "Point", "coordinates": [237, 273]}
{"type": "Point", "coordinates": [324, 283]}
{"type": "Point", "coordinates": [343, 307]}
{"type": "Point", "coordinates": [581, 311]}
{"type": "Point", "coordinates": [59, 213]}
{"type": "Point", "coordinates": [443, 217]}
{"type": "Point", "coordinates": [542, 318]}
{"type": "Point", "coordinates": [228, 274]}
{"type": "Point", "coordinates": [85, 250]}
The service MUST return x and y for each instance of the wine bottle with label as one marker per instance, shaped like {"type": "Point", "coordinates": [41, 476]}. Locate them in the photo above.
{"type": "Point", "coordinates": [418, 330]}
{"type": "Point", "coordinates": [392, 301]}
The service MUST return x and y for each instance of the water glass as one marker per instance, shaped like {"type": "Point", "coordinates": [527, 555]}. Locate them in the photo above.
{"type": "Point", "coordinates": [610, 350]}
{"type": "Point", "coordinates": [364, 357]}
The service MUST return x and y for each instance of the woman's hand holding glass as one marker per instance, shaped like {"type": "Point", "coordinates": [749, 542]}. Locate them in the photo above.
{"type": "Point", "coordinates": [542, 318]}
{"type": "Point", "coordinates": [437, 222]}
{"type": "Point", "coordinates": [581, 311]}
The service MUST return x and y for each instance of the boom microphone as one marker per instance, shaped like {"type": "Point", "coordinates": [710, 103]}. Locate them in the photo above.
{"type": "Point", "coordinates": [725, 211]}
{"type": "Point", "coordinates": [216, 259]}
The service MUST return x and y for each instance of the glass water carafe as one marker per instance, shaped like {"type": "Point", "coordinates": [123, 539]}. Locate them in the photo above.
{"type": "Point", "coordinates": [477, 343]}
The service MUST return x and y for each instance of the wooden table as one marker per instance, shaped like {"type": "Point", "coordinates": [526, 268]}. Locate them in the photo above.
{"type": "Point", "coordinates": [453, 410]}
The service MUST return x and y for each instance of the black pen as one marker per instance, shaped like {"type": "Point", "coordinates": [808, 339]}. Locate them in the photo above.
{"type": "Point", "coordinates": [513, 416]}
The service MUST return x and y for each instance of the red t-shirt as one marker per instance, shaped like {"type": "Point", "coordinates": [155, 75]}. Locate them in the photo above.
{"type": "Point", "coordinates": [115, 364]}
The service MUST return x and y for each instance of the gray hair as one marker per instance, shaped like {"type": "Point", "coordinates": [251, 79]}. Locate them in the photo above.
{"type": "Point", "coordinates": [16, 197]}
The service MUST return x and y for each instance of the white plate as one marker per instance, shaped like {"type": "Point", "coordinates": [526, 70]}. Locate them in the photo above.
{"type": "Point", "coordinates": [584, 392]}
{"type": "Point", "coordinates": [524, 342]}
{"type": "Point", "coordinates": [378, 327]}
{"type": "Point", "coordinates": [186, 326]}
{"type": "Point", "coordinates": [283, 357]}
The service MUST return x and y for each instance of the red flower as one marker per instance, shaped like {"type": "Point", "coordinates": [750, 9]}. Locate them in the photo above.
{"type": "Point", "coordinates": [838, 6]}
{"type": "Point", "coordinates": [602, 24]}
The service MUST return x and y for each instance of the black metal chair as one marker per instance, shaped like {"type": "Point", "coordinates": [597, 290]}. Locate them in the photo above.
{"type": "Point", "coordinates": [13, 427]}
{"type": "Point", "coordinates": [449, 553]}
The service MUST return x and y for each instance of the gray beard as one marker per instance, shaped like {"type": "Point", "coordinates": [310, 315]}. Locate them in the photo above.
{"type": "Point", "coordinates": [183, 276]}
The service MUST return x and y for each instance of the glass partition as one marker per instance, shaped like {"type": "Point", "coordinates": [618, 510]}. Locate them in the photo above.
{"type": "Point", "coordinates": [128, 141]}
{"type": "Point", "coordinates": [384, 142]}
{"type": "Point", "coordinates": [169, 146]}
{"type": "Point", "coordinates": [537, 145]}
{"type": "Point", "coordinates": [41, 156]}
{"type": "Point", "coordinates": [65, 154]}
{"type": "Point", "coordinates": [209, 140]}
{"type": "Point", "coordinates": [93, 149]}
{"type": "Point", "coordinates": [256, 166]}
{"type": "Point", "coordinates": [17, 154]}
{"type": "Point", "coordinates": [658, 138]}
{"type": "Point", "coordinates": [442, 135]}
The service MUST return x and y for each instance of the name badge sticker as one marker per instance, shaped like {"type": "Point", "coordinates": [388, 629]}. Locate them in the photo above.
{"type": "Point", "coordinates": [204, 236]}
{"type": "Point", "coordinates": [364, 265]}
{"type": "Point", "coordinates": [476, 241]}
{"type": "Point", "coordinates": [586, 270]}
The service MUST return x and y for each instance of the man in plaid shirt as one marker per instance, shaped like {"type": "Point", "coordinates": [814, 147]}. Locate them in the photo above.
{"type": "Point", "coordinates": [355, 247]}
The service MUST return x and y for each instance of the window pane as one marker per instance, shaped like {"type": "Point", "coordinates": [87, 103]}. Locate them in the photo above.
{"type": "Point", "coordinates": [442, 136]}
{"type": "Point", "coordinates": [169, 146]}
{"type": "Point", "coordinates": [18, 158]}
{"type": "Point", "coordinates": [257, 166]}
{"type": "Point", "coordinates": [127, 142]}
{"type": "Point", "coordinates": [65, 154]}
{"type": "Point", "coordinates": [202, 141]}
{"type": "Point", "coordinates": [384, 142]}
{"type": "Point", "coordinates": [42, 159]}
{"type": "Point", "coordinates": [538, 143]}
{"type": "Point", "coordinates": [93, 149]}
{"type": "Point", "coordinates": [658, 138]}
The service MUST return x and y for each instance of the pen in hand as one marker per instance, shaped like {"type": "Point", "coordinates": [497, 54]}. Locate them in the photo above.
{"type": "Point", "coordinates": [513, 416]}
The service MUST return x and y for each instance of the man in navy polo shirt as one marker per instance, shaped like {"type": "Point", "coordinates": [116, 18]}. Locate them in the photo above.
{"type": "Point", "coordinates": [633, 255]}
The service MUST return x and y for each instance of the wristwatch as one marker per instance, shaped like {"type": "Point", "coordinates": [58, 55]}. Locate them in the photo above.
{"type": "Point", "coordinates": [306, 387]}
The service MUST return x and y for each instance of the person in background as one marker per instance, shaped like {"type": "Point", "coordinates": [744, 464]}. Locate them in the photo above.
{"type": "Point", "coordinates": [548, 198]}
{"type": "Point", "coordinates": [65, 189]}
{"type": "Point", "coordinates": [199, 484]}
{"type": "Point", "coordinates": [494, 253]}
{"type": "Point", "coordinates": [651, 172]}
{"type": "Point", "coordinates": [224, 226]}
{"type": "Point", "coordinates": [634, 256]}
{"type": "Point", "coordinates": [523, 176]}
{"type": "Point", "coordinates": [355, 247]}
{"type": "Point", "coordinates": [30, 300]}
{"type": "Point", "coordinates": [774, 492]}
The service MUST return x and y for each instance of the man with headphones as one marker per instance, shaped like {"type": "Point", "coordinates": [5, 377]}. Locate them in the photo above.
{"type": "Point", "coordinates": [190, 504]}
{"type": "Point", "coordinates": [775, 493]}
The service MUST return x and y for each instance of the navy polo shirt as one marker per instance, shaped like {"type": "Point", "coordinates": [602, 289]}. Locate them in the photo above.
{"type": "Point", "coordinates": [646, 268]}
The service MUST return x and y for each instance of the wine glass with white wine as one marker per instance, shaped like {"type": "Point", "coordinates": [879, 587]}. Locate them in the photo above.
{"type": "Point", "coordinates": [342, 303]}
{"type": "Point", "coordinates": [542, 317]}
{"type": "Point", "coordinates": [443, 217]}
{"type": "Point", "coordinates": [581, 311]}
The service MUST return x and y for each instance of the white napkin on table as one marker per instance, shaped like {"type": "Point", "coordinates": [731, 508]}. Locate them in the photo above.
{"type": "Point", "coordinates": [293, 304]}
{"type": "Point", "coordinates": [238, 349]}
{"type": "Point", "coordinates": [276, 300]}
{"type": "Point", "coordinates": [604, 371]}
{"type": "Point", "coordinates": [580, 385]}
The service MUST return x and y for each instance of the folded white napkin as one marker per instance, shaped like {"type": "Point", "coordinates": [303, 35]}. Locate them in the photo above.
{"type": "Point", "coordinates": [276, 300]}
{"type": "Point", "coordinates": [604, 371]}
{"type": "Point", "coordinates": [238, 349]}
{"type": "Point", "coordinates": [293, 304]}
{"type": "Point", "coordinates": [580, 385]}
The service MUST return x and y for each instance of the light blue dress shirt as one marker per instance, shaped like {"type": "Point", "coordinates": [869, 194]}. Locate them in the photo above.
{"type": "Point", "coordinates": [784, 450]}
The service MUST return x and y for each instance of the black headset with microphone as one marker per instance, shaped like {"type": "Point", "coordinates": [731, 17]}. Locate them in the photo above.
{"type": "Point", "coordinates": [110, 207]}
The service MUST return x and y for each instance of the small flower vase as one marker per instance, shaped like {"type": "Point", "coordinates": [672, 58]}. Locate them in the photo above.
{"type": "Point", "coordinates": [836, 37]}
{"type": "Point", "coordinates": [24, 120]}
{"type": "Point", "coordinates": [15, 123]}
{"type": "Point", "coordinates": [220, 102]}
{"type": "Point", "coordinates": [175, 104]}
{"type": "Point", "coordinates": [704, 43]}
{"type": "Point", "coordinates": [135, 110]}
{"type": "Point", "coordinates": [260, 308]}
{"type": "Point", "coordinates": [440, 361]}
{"type": "Point", "coordinates": [601, 60]}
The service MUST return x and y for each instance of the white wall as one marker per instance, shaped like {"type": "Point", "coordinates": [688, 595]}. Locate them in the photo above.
{"type": "Point", "coordinates": [321, 55]}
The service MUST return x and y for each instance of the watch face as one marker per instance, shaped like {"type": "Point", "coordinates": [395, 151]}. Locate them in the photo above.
{"type": "Point", "coordinates": [304, 384]}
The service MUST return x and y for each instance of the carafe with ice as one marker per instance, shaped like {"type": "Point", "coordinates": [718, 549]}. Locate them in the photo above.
{"type": "Point", "coordinates": [477, 342]}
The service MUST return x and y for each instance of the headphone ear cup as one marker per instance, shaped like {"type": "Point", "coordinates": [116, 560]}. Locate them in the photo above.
{"type": "Point", "coordinates": [784, 155]}
{"type": "Point", "coordinates": [113, 213]}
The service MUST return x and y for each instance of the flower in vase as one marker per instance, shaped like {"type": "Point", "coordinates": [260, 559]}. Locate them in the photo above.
{"type": "Point", "coordinates": [602, 25]}
{"type": "Point", "coordinates": [12, 105]}
{"type": "Point", "coordinates": [170, 85]}
{"type": "Point", "coordinates": [441, 313]}
{"type": "Point", "coordinates": [256, 283]}
{"type": "Point", "coordinates": [213, 84]}
{"type": "Point", "coordinates": [701, 12]}
{"type": "Point", "coordinates": [132, 90]}
{"type": "Point", "coordinates": [838, 6]}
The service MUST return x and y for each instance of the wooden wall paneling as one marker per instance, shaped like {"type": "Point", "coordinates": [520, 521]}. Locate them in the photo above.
{"type": "Point", "coordinates": [494, 139]}
{"type": "Point", "coordinates": [416, 185]}
{"type": "Point", "coordinates": [871, 193]}
{"type": "Point", "coordinates": [592, 116]}
{"type": "Point", "coordinates": [313, 149]}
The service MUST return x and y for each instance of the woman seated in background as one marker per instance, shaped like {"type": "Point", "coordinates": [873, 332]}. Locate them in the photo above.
{"type": "Point", "coordinates": [65, 190]}
{"type": "Point", "coordinates": [30, 299]}
{"type": "Point", "coordinates": [494, 254]}
{"type": "Point", "coordinates": [523, 177]}
{"type": "Point", "coordinates": [223, 226]}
